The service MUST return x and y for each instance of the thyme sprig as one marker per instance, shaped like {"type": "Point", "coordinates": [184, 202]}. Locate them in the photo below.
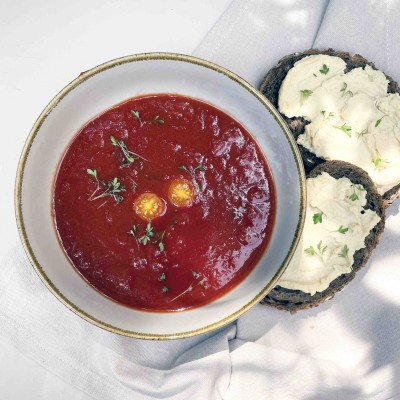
{"type": "Point", "coordinates": [111, 188]}
{"type": "Point", "coordinates": [129, 156]}
{"type": "Point", "coordinates": [306, 93]}
{"type": "Point", "coordinates": [194, 284]}
{"type": "Point", "coordinates": [342, 229]}
{"type": "Point", "coordinates": [346, 92]}
{"type": "Point", "coordinates": [157, 120]}
{"type": "Point", "coordinates": [192, 172]}
{"type": "Point", "coordinates": [319, 251]}
{"type": "Point", "coordinates": [147, 235]}
{"type": "Point", "coordinates": [354, 196]}
{"type": "Point", "coordinates": [379, 161]}
{"type": "Point", "coordinates": [345, 129]}
{"type": "Point", "coordinates": [344, 253]}
{"type": "Point", "coordinates": [133, 232]}
{"type": "Point", "coordinates": [330, 115]}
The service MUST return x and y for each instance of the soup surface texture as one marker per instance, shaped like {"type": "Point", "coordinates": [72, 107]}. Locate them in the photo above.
{"type": "Point", "coordinates": [163, 203]}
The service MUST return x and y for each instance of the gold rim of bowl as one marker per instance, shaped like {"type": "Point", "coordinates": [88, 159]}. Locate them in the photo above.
{"type": "Point", "coordinates": [71, 86]}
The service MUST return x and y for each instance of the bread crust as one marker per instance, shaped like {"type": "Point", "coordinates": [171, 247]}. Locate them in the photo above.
{"type": "Point", "coordinates": [294, 300]}
{"type": "Point", "coordinates": [273, 81]}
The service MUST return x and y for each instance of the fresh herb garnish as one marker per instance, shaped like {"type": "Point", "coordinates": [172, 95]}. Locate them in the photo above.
{"type": "Point", "coordinates": [161, 245]}
{"type": "Point", "coordinates": [319, 252]}
{"type": "Point", "coordinates": [134, 185]}
{"type": "Point", "coordinates": [133, 232]}
{"type": "Point", "coordinates": [330, 115]}
{"type": "Point", "coordinates": [317, 218]}
{"type": "Point", "coordinates": [158, 121]}
{"type": "Point", "coordinates": [342, 229]}
{"type": "Point", "coordinates": [343, 89]}
{"type": "Point", "coordinates": [129, 156]}
{"type": "Point", "coordinates": [194, 284]}
{"type": "Point", "coordinates": [379, 121]}
{"type": "Point", "coordinates": [191, 172]}
{"type": "Point", "coordinates": [315, 75]}
{"type": "Point", "coordinates": [165, 289]}
{"type": "Point", "coordinates": [93, 174]}
{"type": "Point", "coordinates": [379, 161]}
{"type": "Point", "coordinates": [137, 116]}
{"type": "Point", "coordinates": [354, 196]}
{"type": "Point", "coordinates": [345, 129]}
{"type": "Point", "coordinates": [111, 188]}
{"type": "Point", "coordinates": [162, 277]}
{"type": "Point", "coordinates": [147, 235]}
{"type": "Point", "coordinates": [306, 93]}
{"type": "Point", "coordinates": [324, 70]}
{"type": "Point", "coordinates": [183, 168]}
{"type": "Point", "coordinates": [344, 253]}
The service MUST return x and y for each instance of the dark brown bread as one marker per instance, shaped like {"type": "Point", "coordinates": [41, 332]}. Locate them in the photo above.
{"type": "Point", "coordinates": [294, 300]}
{"type": "Point", "coordinates": [273, 81]}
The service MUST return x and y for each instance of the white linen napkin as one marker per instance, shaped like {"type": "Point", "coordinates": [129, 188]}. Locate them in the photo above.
{"type": "Point", "coordinates": [348, 348]}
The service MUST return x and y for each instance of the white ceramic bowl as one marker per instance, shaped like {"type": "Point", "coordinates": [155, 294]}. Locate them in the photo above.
{"type": "Point", "coordinates": [104, 86]}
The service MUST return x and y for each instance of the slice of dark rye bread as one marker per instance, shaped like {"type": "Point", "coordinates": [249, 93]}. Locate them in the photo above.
{"type": "Point", "coordinates": [294, 300]}
{"type": "Point", "coordinates": [273, 81]}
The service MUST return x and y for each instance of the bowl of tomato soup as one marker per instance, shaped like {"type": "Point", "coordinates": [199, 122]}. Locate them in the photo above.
{"type": "Point", "coordinates": [159, 196]}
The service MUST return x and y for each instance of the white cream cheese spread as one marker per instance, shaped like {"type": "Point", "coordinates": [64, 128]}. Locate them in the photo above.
{"type": "Point", "coordinates": [335, 227]}
{"type": "Point", "coordinates": [352, 117]}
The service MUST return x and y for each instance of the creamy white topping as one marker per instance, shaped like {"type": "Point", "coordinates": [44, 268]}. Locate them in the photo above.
{"type": "Point", "coordinates": [352, 117]}
{"type": "Point", "coordinates": [336, 226]}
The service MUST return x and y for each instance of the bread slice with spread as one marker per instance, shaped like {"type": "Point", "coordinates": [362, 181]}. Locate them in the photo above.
{"type": "Point", "coordinates": [344, 221]}
{"type": "Point", "coordinates": [340, 107]}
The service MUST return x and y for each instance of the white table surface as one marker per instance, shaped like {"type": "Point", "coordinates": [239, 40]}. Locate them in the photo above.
{"type": "Point", "coordinates": [45, 44]}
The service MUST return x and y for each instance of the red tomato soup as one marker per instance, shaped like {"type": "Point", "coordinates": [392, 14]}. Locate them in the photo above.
{"type": "Point", "coordinates": [164, 203]}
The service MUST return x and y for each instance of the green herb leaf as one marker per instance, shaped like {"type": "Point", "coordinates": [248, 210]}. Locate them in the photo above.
{"type": "Point", "coordinates": [319, 252]}
{"type": "Point", "coordinates": [196, 275]}
{"type": "Point", "coordinates": [379, 121]}
{"type": "Point", "coordinates": [165, 289]}
{"type": "Point", "coordinates": [317, 218]}
{"type": "Point", "coordinates": [310, 250]}
{"type": "Point", "coordinates": [183, 168]}
{"type": "Point", "coordinates": [342, 229]}
{"type": "Point", "coordinates": [320, 248]}
{"type": "Point", "coordinates": [315, 75]}
{"type": "Point", "coordinates": [200, 166]}
{"type": "Point", "coordinates": [324, 70]}
{"type": "Point", "coordinates": [148, 234]}
{"type": "Point", "coordinates": [157, 120]}
{"type": "Point", "coordinates": [112, 188]}
{"type": "Point", "coordinates": [162, 277]}
{"type": "Point", "coordinates": [136, 114]}
{"type": "Point", "coordinates": [129, 156]}
{"type": "Point", "coordinates": [92, 172]}
{"type": "Point", "coordinates": [353, 196]}
{"type": "Point", "coordinates": [306, 93]}
{"type": "Point", "coordinates": [344, 87]}
{"type": "Point", "coordinates": [344, 252]}
{"type": "Point", "coordinates": [345, 129]}
{"type": "Point", "coordinates": [161, 246]}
